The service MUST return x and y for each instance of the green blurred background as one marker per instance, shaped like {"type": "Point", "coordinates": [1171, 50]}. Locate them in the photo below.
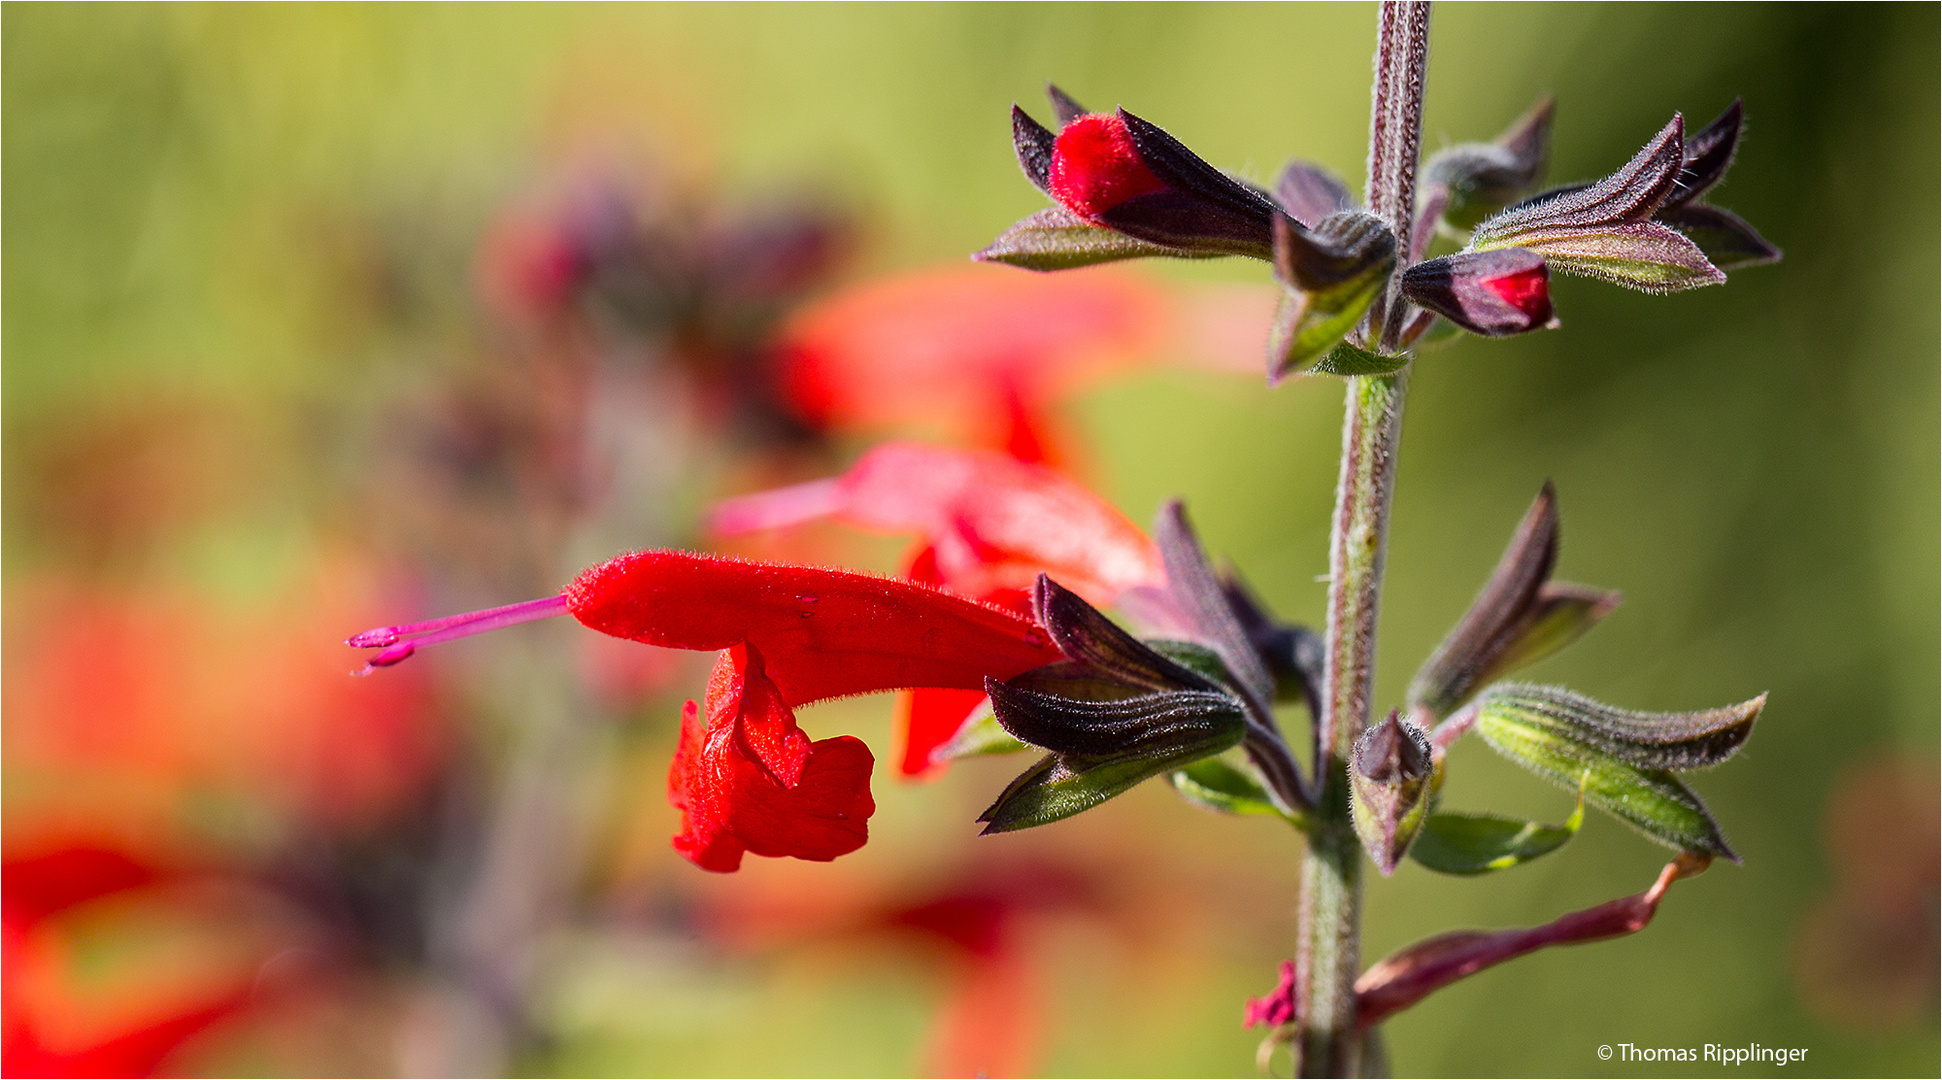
{"type": "Point", "coordinates": [191, 191]}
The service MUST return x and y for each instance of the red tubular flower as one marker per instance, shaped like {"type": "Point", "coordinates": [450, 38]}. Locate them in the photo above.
{"type": "Point", "coordinates": [990, 525]}
{"type": "Point", "coordinates": [750, 780]}
{"type": "Point", "coordinates": [980, 351]}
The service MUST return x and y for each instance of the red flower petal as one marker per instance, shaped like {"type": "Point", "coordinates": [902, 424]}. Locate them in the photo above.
{"type": "Point", "coordinates": [1528, 291]}
{"type": "Point", "coordinates": [768, 732]}
{"type": "Point", "coordinates": [822, 633]}
{"type": "Point", "coordinates": [731, 804]}
{"type": "Point", "coordinates": [993, 523]}
{"type": "Point", "coordinates": [1095, 166]}
{"type": "Point", "coordinates": [928, 719]}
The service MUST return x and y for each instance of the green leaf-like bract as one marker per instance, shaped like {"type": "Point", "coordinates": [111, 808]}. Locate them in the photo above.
{"type": "Point", "coordinates": [1480, 843]}
{"type": "Point", "coordinates": [1217, 785]}
{"type": "Point", "coordinates": [1651, 800]}
{"type": "Point", "coordinates": [1057, 239]}
{"type": "Point", "coordinates": [1059, 787]}
{"type": "Point", "coordinates": [980, 735]}
{"type": "Point", "coordinates": [1640, 255]}
{"type": "Point", "coordinates": [1675, 741]}
{"type": "Point", "coordinates": [1346, 359]}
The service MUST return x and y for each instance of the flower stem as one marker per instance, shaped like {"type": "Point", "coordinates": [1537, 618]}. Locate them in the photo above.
{"type": "Point", "coordinates": [1330, 916]}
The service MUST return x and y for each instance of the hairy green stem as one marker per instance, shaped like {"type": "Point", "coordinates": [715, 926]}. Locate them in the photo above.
{"type": "Point", "coordinates": [1329, 922]}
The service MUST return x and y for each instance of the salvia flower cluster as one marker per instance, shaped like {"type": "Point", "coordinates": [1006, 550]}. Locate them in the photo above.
{"type": "Point", "coordinates": [996, 635]}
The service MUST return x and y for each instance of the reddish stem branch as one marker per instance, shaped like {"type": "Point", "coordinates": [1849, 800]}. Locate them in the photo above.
{"type": "Point", "coordinates": [1403, 979]}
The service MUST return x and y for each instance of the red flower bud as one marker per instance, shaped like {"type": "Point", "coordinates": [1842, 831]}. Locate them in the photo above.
{"type": "Point", "coordinates": [1119, 173]}
{"type": "Point", "coordinates": [1529, 291]}
{"type": "Point", "coordinates": [1096, 167]}
{"type": "Point", "coordinates": [1494, 293]}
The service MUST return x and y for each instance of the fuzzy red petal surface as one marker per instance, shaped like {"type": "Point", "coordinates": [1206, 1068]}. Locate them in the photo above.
{"type": "Point", "coordinates": [1095, 166]}
{"type": "Point", "coordinates": [821, 633]}
{"type": "Point", "coordinates": [730, 802]}
{"type": "Point", "coordinates": [967, 348]}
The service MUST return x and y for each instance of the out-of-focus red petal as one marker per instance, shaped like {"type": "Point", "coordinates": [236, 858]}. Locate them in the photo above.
{"type": "Point", "coordinates": [948, 346]}
{"type": "Point", "coordinates": [821, 633]}
{"type": "Point", "coordinates": [140, 1052]}
{"type": "Point", "coordinates": [928, 718]}
{"type": "Point", "coordinates": [34, 887]}
{"type": "Point", "coordinates": [731, 803]}
{"type": "Point", "coordinates": [992, 1023]}
{"type": "Point", "coordinates": [992, 523]}
{"type": "Point", "coordinates": [1028, 434]}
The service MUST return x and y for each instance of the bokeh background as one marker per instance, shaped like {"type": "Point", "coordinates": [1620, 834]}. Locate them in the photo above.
{"type": "Point", "coordinates": [314, 315]}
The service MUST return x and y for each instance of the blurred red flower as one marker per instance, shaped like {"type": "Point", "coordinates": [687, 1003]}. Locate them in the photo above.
{"type": "Point", "coordinates": [114, 960]}
{"type": "Point", "coordinates": [979, 350]}
{"type": "Point", "coordinates": [1865, 956]}
{"type": "Point", "coordinates": [158, 696]}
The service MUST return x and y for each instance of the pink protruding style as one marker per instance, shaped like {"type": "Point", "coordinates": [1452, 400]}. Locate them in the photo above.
{"type": "Point", "coordinates": [399, 642]}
